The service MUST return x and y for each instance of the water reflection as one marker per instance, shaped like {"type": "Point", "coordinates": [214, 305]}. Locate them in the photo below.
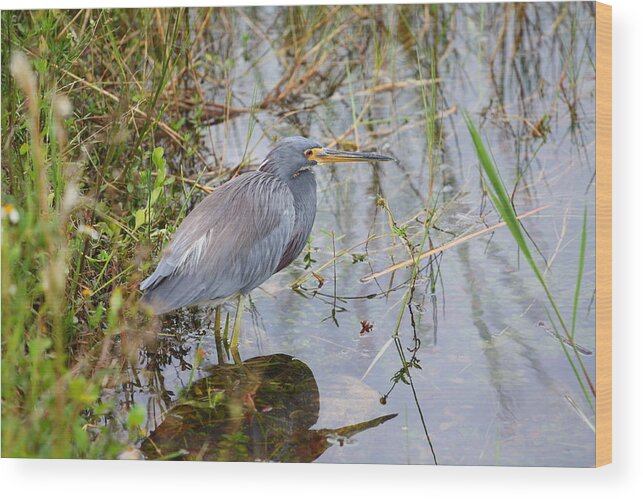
{"type": "Point", "coordinates": [258, 410]}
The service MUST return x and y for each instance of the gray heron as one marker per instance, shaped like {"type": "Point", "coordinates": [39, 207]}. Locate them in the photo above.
{"type": "Point", "coordinates": [245, 231]}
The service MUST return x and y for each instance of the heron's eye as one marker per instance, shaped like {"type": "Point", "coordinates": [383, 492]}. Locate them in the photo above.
{"type": "Point", "coordinates": [309, 153]}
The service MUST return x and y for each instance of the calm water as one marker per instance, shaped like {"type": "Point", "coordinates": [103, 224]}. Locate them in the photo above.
{"type": "Point", "coordinates": [494, 387]}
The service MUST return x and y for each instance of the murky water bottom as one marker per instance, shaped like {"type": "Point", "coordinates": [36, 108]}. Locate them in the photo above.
{"type": "Point", "coordinates": [492, 386]}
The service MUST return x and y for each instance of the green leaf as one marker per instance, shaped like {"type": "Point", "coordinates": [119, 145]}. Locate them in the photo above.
{"type": "Point", "coordinates": [140, 217]}
{"type": "Point", "coordinates": [157, 157]}
{"type": "Point", "coordinates": [82, 391]}
{"type": "Point", "coordinates": [81, 439]}
{"type": "Point", "coordinates": [400, 231]}
{"type": "Point", "coordinates": [96, 316]}
{"type": "Point", "coordinates": [581, 266]}
{"type": "Point", "coordinates": [136, 416]}
{"type": "Point", "coordinates": [358, 257]}
{"type": "Point", "coordinates": [155, 194]}
{"type": "Point", "coordinates": [159, 162]}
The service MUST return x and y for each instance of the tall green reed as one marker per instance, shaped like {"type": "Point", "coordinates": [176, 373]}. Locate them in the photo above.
{"type": "Point", "coordinates": [499, 196]}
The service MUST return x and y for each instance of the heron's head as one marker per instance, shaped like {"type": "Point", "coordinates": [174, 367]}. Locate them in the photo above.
{"type": "Point", "coordinates": [293, 155]}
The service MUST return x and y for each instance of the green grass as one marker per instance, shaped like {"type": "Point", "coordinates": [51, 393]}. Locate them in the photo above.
{"type": "Point", "coordinates": [498, 194]}
{"type": "Point", "coordinates": [86, 186]}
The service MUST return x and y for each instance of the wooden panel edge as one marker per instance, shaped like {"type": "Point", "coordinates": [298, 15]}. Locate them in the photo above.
{"type": "Point", "coordinates": [603, 234]}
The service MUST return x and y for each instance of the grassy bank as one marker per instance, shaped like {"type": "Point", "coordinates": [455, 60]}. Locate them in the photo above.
{"type": "Point", "coordinates": [86, 127]}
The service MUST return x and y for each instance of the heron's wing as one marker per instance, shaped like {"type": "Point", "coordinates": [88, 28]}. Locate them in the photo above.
{"type": "Point", "coordinates": [230, 243]}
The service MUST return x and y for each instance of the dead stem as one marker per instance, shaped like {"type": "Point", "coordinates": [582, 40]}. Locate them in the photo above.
{"type": "Point", "coordinates": [451, 244]}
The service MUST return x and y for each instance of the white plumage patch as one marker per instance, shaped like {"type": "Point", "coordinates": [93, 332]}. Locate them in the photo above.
{"type": "Point", "coordinates": [192, 257]}
{"type": "Point", "coordinates": [263, 163]}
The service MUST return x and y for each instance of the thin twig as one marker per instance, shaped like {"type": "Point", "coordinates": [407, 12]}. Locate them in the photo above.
{"type": "Point", "coordinates": [446, 246]}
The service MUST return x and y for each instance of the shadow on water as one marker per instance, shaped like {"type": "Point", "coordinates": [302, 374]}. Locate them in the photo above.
{"type": "Point", "coordinates": [259, 410]}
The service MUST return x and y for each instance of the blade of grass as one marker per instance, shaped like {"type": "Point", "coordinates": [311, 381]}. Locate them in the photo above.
{"type": "Point", "coordinates": [500, 198]}
{"type": "Point", "coordinates": [581, 266]}
{"type": "Point", "coordinates": [570, 360]}
{"type": "Point", "coordinates": [377, 358]}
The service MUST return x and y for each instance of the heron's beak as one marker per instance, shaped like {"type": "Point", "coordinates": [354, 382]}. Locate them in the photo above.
{"type": "Point", "coordinates": [325, 155]}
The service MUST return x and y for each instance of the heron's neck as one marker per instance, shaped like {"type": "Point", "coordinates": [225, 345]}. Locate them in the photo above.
{"type": "Point", "coordinates": [302, 185]}
{"type": "Point", "coordinates": [304, 190]}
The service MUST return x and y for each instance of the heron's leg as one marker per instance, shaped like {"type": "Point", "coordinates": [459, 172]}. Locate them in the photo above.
{"type": "Point", "coordinates": [236, 358]}
{"type": "Point", "coordinates": [234, 344]}
{"type": "Point", "coordinates": [217, 333]}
